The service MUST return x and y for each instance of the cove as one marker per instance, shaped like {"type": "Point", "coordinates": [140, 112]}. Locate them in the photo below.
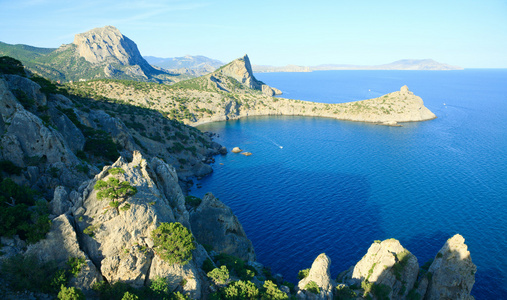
{"type": "Point", "coordinates": [318, 185]}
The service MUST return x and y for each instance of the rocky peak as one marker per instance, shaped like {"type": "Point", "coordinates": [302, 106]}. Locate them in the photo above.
{"type": "Point", "coordinates": [241, 70]}
{"type": "Point", "coordinates": [106, 45]}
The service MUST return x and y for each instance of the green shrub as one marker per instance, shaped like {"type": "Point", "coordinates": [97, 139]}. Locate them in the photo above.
{"type": "Point", "coordinates": [240, 290]}
{"type": "Point", "coordinates": [113, 189]}
{"type": "Point", "coordinates": [16, 217]}
{"type": "Point", "coordinates": [272, 292]}
{"type": "Point", "coordinates": [116, 171]}
{"type": "Point", "coordinates": [75, 265]}
{"type": "Point", "coordinates": [399, 266]}
{"type": "Point", "coordinates": [129, 296]}
{"type": "Point", "coordinates": [236, 266]}
{"type": "Point", "coordinates": [70, 293]}
{"type": "Point", "coordinates": [90, 230]}
{"type": "Point", "coordinates": [219, 275]}
{"type": "Point", "coordinates": [381, 291]}
{"type": "Point", "coordinates": [312, 287]}
{"type": "Point", "coordinates": [173, 243]}
{"type": "Point", "coordinates": [9, 167]}
{"type": "Point", "coordinates": [179, 296]}
{"type": "Point", "coordinates": [344, 292]}
{"type": "Point", "coordinates": [28, 273]}
{"type": "Point", "coordinates": [9, 65]}
{"type": "Point", "coordinates": [192, 201]}
{"type": "Point", "coordinates": [207, 265]}
{"type": "Point", "coordinates": [303, 274]}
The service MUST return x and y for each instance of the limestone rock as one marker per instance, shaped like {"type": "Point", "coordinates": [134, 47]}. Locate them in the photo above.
{"type": "Point", "coordinates": [130, 267]}
{"type": "Point", "coordinates": [60, 245]}
{"type": "Point", "coordinates": [107, 44]}
{"type": "Point", "coordinates": [188, 277]}
{"type": "Point", "coordinates": [213, 223]}
{"type": "Point", "coordinates": [60, 203]}
{"type": "Point", "coordinates": [320, 274]}
{"type": "Point", "coordinates": [390, 264]}
{"type": "Point", "coordinates": [453, 272]}
{"type": "Point", "coordinates": [236, 150]}
{"type": "Point", "coordinates": [241, 70]}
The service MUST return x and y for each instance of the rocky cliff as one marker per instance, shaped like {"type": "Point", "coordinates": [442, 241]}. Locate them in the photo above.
{"type": "Point", "coordinates": [94, 228]}
{"type": "Point", "coordinates": [98, 53]}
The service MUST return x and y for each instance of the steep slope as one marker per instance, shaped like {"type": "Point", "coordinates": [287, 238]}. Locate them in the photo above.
{"type": "Point", "coordinates": [99, 53]}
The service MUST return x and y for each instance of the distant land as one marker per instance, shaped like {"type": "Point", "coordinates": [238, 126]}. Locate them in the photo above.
{"type": "Point", "coordinates": [197, 65]}
{"type": "Point", "coordinates": [404, 64]}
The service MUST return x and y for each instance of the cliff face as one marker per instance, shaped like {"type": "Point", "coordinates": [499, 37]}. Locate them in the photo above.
{"type": "Point", "coordinates": [106, 45]}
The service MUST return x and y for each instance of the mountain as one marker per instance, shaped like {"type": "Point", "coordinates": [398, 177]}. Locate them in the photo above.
{"type": "Point", "coordinates": [404, 64]}
{"type": "Point", "coordinates": [197, 64]}
{"type": "Point", "coordinates": [99, 53]}
{"type": "Point", "coordinates": [236, 76]}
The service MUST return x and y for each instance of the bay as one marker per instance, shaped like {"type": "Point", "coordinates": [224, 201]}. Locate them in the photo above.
{"type": "Point", "coordinates": [318, 185]}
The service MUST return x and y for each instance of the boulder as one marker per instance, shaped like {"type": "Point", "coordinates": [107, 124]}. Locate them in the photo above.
{"type": "Point", "coordinates": [213, 223]}
{"type": "Point", "coordinates": [320, 274]}
{"type": "Point", "coordinates": [236, 150]}
{"type": "Point", "coordinates": [453, 272]}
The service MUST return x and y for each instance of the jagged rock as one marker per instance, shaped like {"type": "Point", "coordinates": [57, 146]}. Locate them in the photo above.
{"type": "Point", "coordinates": [453, 272]}
{"type": "Point", "coordinates": [241, 70]}
{"type": "Point", "coordinates": [60, 203]}
{"type": "Point", "coordinates": [213, 223]}
{"type": "Point", "coordinates": [390, 264]}
{"type": "Point", "coordinates": [320, 274]}
{"type": "Point", "coordinates": [59, 246]}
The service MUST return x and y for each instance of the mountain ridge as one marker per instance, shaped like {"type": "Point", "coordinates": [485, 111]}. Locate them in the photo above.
{"type": "Point", "coordinates": [403, 64]}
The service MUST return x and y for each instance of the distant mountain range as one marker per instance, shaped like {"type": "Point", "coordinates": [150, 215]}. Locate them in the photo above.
{"type": "Point", "coordinates": [99, 53]}
{"type": "Point", "coordinates": [193, 64]}
{"type": "Point", "coordinates": [404, 64]}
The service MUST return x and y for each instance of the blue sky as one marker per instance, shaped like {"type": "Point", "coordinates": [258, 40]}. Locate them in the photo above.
{"type": "Point", "coordinates": [471, 34]}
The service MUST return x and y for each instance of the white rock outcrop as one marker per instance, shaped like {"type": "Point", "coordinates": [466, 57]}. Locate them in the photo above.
{"type": "Point", "coordinates": [320, 274]}
{"type": "Point", "coordinates": [453, 272]}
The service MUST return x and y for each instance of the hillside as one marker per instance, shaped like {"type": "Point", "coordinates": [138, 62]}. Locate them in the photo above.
{"type": "Point", "coordinates": [404, 64]}
{"type": "Point", "coordinates": [232, 92]}
{"type": "Point", "coordinates": [98, 53]}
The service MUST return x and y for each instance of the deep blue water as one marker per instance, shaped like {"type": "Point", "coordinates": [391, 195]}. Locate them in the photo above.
{"type": "Point", "coordinates": [318, 185]}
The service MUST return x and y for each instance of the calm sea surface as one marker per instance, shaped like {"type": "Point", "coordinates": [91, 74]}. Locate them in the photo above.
{"type": "Point", "coordinates": [318, 185]}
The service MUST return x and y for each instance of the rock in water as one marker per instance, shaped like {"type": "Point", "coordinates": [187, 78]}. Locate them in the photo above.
{"type": "Point", "coordinates": [320, 274]}
{"type": "Point", "coordinates": [453, 272]}
{"type": "Point", "coordinates": [236, 150]}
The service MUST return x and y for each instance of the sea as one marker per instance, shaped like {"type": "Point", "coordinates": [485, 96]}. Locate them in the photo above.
{"type": "Point", "coordinates": [319, 185]}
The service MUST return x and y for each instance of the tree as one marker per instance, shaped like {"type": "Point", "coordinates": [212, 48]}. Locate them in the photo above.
{"type": "Point", "coordinates": [114, 190]}
{"type": "Point", "coordinates": [173, 243]}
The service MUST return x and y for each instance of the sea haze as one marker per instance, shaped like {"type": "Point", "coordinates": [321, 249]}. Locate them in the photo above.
{"type": "Point", "coordinates": [318, 185]}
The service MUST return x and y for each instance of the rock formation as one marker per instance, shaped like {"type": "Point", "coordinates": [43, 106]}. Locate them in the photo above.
{"type": "Point", "coordinates": [214, 224]}
{"type": "Point", "coordinates": [453, 272]}
{"type": "Point", "coordinates": [388, 263]}
{"type": "Point", "coordinates": [106, 45]}
{"type": "Point", "coordinates": [241, 71]}
{"type": "Point", "coordinates": [321, 276]}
